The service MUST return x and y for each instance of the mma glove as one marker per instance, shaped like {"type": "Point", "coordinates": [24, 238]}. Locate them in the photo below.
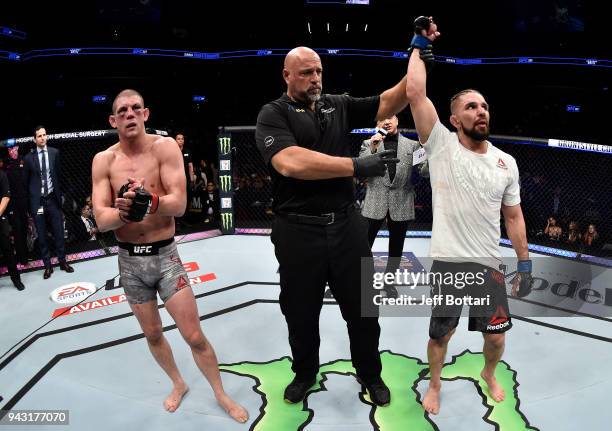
{"type": "Point", "coordinates": [142, 204]}
{"type": "Point", "coordinates": [374, 165]}
{"type": "Point", "coordinates": [421, 42]}
{"type": "Point", "coordinates": [523, 278]}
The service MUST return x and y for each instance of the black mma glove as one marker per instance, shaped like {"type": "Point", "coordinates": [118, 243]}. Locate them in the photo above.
{"type": "Point", "coordinates": [374, 165]}
{"type": "Point", "coordinates": [142, 204]}
{"type": "Point", "coordinates": [427, 56]}
{"type": "Point", "coordinates": [422, 42]}
{"type": "Point", "coordinates": [522, 282]}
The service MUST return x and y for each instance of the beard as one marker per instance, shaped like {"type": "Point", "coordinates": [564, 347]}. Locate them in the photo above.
{"type": "Point", "coordinates": [476, 135]}
{"type": "Point", "coordinates": [313, 96]}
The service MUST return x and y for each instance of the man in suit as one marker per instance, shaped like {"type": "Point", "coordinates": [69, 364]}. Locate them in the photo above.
{"type": "Point", "coordinates": [5, 241]}
{"type": "Point", "coordinates": [391, 196]}
{"type": "Point", "coordinates": [42, 176]}
{"type": "Point", "coordinates": [85, 228]}
{"type": "Point", "coordinates": [17, 210]}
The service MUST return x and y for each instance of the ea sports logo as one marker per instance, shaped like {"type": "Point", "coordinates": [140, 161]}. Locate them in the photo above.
{"type": "Point", "coordinates": [72, 293]}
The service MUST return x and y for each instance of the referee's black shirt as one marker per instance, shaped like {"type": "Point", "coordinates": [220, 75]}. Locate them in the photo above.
{"type": "Point", "coordinates": [284, 123]}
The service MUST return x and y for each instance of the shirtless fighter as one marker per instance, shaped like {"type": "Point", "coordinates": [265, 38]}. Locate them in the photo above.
{"type": "Point", "coordinates": [138, 189]}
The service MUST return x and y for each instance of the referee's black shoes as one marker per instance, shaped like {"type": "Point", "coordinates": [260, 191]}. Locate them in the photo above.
{"type": "Point", "coordinates": [378, 391]}
{"type": "Point", "coordinates": [296, 390]}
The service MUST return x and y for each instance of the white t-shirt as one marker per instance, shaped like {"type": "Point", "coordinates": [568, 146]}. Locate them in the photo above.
{"type": "Point", "coordinates": [468, 190]}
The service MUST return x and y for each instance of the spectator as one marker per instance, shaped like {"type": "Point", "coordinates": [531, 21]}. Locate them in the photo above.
{"type": "Point", "coordinates": [189, 175]}
{"type": "Point", "coordinates": [204, 171]}
{"type": "Point", "coordinates": [214, 174]}
{"type": "Point", "coordinates": [591, 237]}
{"type": "Point", "coordinates": [86, 228]}
{"type": "Point", "coordinates": [573, 233]}
{"type": "Point", "coordinates": [552, 230]}
{"type": "Point", "coordinates": [211, 202]}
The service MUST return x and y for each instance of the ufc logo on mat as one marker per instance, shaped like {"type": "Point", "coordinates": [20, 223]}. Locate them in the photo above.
{"type": "Point", "coordinates": [141, 249]}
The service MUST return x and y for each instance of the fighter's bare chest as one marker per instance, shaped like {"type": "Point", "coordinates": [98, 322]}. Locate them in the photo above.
{"type": "Point", "coordinates": [146, 168]}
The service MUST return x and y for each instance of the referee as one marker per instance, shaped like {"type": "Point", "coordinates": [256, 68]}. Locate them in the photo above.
{"type": "Point", "coordinates": [317, 233]}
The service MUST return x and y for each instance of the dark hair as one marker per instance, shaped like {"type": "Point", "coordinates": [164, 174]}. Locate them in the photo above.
{"type": "Point", "coordinates": [37, 128]}
{"type": "Point", "coordinates": [461, 93]}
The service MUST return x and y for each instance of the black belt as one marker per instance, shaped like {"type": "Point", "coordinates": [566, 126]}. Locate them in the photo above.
{"type": "Point", "coordinates": [322, 219]}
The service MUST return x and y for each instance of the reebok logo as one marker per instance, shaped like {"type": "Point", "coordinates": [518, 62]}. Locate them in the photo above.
{"type": "Point", "coordinates": [500, 316]}
{"type": "Point", "coordinates": [501, 164]}
{"type": "Point", "coordinates": [499, 320]}
{"type": "Point", "coordinates": [181, 283]}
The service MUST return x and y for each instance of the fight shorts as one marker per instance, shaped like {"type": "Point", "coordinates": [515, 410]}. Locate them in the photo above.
{"type": "Point", "coordinates": [148, 269]}
{"type": "Point", "coordinates": [492, 317]}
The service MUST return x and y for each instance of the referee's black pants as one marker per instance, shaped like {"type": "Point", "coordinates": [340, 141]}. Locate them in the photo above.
{"type": "Point", "coordinates": [309, 256]}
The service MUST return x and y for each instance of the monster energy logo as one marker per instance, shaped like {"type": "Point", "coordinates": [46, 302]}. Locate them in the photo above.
{"type": "Point", "coordinates": [227, 220]}
{"type": "Point", "coordinates": [225, 145]}
{"type": "Point", "coordinates": [226, 182]}
{"type": "Point", "coordinates": [402, 374]}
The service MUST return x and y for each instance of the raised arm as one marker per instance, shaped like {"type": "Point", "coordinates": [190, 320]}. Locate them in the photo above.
{"type": "Point", "coordinates": [423, 111]}
{"type": "Point", "coordinates": [393, 100]}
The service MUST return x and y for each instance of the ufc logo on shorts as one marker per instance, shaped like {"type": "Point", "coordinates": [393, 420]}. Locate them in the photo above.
{"type": "Point", "coordinates": [142, 249]}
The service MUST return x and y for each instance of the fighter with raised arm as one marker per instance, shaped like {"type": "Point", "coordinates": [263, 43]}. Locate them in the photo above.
{"type": "Point", "coordinates": [471, 182]}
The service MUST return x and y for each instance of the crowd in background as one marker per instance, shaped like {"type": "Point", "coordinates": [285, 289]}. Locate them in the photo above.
{"type": "Point", "coordinates": [559, 212]}
{"type": "Point", "coordinates": [80, 229]}
{"type": "Point", "coordinates": [579, 203]}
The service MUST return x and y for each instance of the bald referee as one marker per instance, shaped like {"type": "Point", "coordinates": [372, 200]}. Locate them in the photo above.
{"type": "Point", "coordinates": [317, 233]}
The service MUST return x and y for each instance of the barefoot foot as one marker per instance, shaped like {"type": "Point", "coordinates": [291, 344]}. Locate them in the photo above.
{"type": "Point", "coordinates": [176, 396]}
{"type": "Point", "coordinates": [235, 410]}
{"type": "Point", "coordinates": [431, 401]}
{"type": "Point", "coordinates": [496, 391]}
